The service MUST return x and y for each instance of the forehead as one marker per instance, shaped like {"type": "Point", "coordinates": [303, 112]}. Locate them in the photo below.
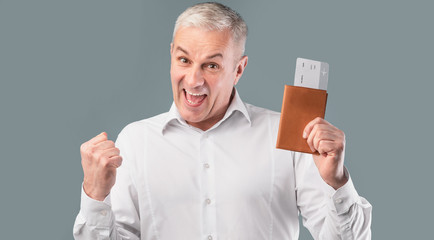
{"type": "Point", "coordinates": [199, 40]}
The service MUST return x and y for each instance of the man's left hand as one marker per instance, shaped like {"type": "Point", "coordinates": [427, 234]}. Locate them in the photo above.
{"type": "Point", "coordinates": [329, 141]}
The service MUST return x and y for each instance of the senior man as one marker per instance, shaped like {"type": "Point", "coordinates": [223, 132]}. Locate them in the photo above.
{"type": "Point", "coordinates": [208, 168]}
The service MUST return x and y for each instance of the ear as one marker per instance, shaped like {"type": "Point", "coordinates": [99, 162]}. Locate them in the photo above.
{"type": "Point", "coordinates": [241, 65]}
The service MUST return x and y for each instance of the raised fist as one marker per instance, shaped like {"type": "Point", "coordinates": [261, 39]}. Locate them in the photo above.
{"type": "Point", "coordinates": [100, 159]}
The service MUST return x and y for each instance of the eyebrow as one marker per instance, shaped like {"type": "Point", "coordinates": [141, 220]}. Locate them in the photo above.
{"type": "Point", "coordinates": [178, 48]}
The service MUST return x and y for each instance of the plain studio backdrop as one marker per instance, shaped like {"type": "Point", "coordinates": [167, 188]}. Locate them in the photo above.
{"type": "Point", "coordinates": [72, 69]}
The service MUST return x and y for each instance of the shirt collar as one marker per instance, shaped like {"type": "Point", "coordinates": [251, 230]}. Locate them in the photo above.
{"type": "Point", "coordinates": [236, 105]}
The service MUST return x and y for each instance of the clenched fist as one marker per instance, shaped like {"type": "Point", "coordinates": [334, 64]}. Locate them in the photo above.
{"type": "Point", "coordinates": [100, 159]}
{"type": "Point", "coordinates": [329, 141]}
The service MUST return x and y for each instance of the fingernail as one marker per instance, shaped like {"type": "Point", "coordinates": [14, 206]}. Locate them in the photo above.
{"type": "Point", "coordinates": [304, 135]}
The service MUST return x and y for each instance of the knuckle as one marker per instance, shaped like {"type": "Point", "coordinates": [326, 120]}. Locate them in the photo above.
{"type": "Point", "coordinates": [92, 150]}
{"type": "Point", "coordinates": [83, 147]}
{"type": "Point", "coordinates": [97, 155]}
{"type": "Point", "coordinates": [315, 127]}
{"type": "Point", "coordinates": [319, 143]}
{"type": "Point", "coordinates": [319, 147]}
{"type": "Point", "coordinates": [89, 152]}
{"type": "Point", "coordinates": [109, 143]}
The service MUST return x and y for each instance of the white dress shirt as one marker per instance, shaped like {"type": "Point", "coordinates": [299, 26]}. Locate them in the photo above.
{"type": "Point", "coordinates": [229, 182]}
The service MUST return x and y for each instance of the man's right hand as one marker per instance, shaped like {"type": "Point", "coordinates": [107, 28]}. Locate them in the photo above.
{"type": "Point", "coordinates": [99, 158]}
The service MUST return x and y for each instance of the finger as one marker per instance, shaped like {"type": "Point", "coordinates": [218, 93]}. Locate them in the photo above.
{"type": "Point", "coordinates": [98, 138]}
{"type": "Point", "coordinates": [105, 144]}
{"type": "Point", "coordinates": [107, 163]}
{"type": "Point", "coordinates": [311, 137]}
{"type": "Point", "coordinates": [116, 161]}
{"type": "Point", "coordinates": [98, 155]}
{"type": "Point", "coordinates": [111, 152]}
{"type": "Point", "coordinates": [322, 135]}
{"type": "Point", "coordinates": [326, 146]}
{"type": "Point", "coordinates": [310, 126]}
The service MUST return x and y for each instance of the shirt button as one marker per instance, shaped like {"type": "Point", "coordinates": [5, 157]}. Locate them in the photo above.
{"type": "Point", "coordinates": [339, 200]}
{"type": "Point", "coordinates": [208, 201]}
{"type": "Point", "coordinates": [209, 237]}
{"type": "Point", "coordinates": [206, 165]}
{"type": "Point", "coordinates": [103, 212]}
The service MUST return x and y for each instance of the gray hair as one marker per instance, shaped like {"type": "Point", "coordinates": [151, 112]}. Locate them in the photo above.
{"type": "Point", "coordinates": [214, 17]}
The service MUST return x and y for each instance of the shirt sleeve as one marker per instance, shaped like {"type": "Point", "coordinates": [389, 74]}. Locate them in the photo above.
{"type": "Point", "coordinates": [328, 213]}
{"type": "Point", "coordinates": [101, 220]}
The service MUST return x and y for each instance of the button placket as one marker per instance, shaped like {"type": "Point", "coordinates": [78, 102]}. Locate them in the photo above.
{"type": "Point", "coordinates": [208, 187]}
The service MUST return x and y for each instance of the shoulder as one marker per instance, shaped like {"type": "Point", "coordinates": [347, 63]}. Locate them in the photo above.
{"type": "Point", "coordinates": [152, 124]}
{"type": "Point", "coordinates": [262, 118]}
{"type": "Point", "coordinates": [260, 114]}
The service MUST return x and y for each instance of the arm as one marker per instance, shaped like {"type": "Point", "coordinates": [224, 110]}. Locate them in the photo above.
{"type": "Point", "coordinates": [326, 212]}
{"type": "Point", "coordinates": [97, 218]}
{"type": "Point", "coordinates": [326, 197]}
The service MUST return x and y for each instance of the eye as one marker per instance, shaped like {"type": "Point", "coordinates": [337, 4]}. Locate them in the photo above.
{"type": "Point", "coordinates": [213, 66]}
{"type": "Point", "coordinates": [183, 60]}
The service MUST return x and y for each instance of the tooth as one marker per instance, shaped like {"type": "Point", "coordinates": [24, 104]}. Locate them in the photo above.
{"type": "Point", "coordinates": [194, 94]}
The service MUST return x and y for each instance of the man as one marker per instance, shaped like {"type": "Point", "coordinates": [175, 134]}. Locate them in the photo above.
{"type": "Point", "coordinates": [208, 168]}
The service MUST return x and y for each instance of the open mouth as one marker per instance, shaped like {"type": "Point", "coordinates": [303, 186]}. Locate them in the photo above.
{"type": "Point", "coordinates": [194, 99]}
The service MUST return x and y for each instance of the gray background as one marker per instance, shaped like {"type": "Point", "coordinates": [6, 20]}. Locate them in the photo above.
{"type": "Point", "coordinates": [71, 69]}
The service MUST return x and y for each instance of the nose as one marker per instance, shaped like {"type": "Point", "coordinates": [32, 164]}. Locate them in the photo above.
{"type": "Point", "coordinates": [194, 78]}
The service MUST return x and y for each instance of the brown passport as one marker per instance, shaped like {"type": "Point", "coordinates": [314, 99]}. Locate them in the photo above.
{"type": "Point", "coordinates": [300, 106]}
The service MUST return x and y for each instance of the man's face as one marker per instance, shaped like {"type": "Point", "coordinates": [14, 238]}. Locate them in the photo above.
{"type": "Point", "coordinates": [205, 66]}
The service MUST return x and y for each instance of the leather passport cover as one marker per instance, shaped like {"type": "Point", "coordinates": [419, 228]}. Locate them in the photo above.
{"type": "Point", "coordinates": [300, 106]}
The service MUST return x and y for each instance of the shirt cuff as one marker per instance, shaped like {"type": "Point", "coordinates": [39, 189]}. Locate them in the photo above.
{"type": "Point", "coordinates": [343, 198]}
{"type": "Point", "coordinates": [96, 213]}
